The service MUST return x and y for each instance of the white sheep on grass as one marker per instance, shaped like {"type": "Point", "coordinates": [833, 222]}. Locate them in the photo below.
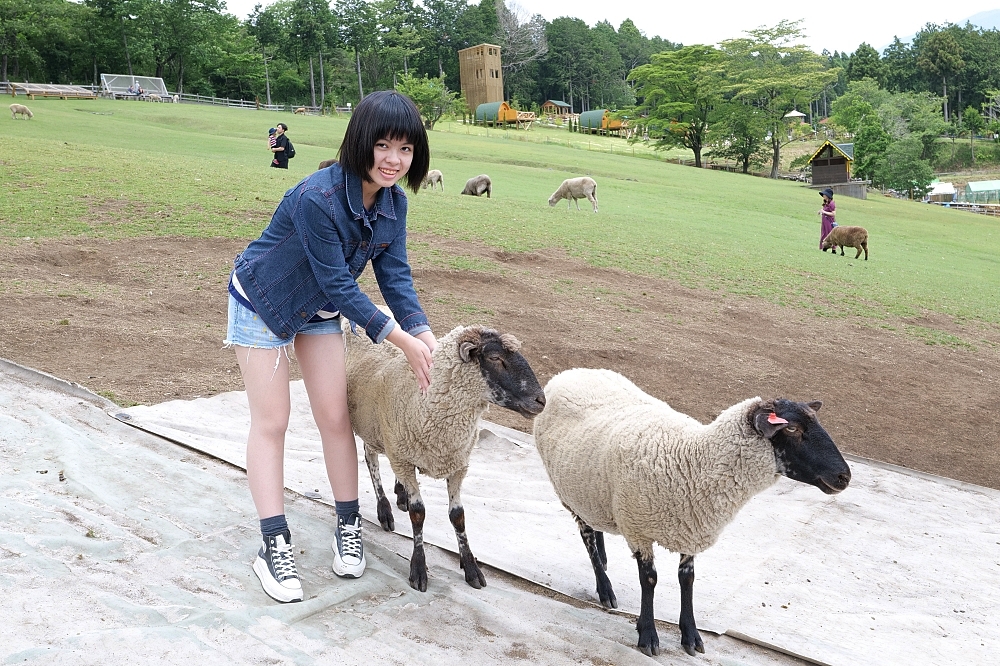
{"type": "Point", "coordinates": [573, 189]}
{"type": "Point", "coordinates": [434, 176]}
{"type": "Point", "coordinates": [21, 109]}
{"type": "Point", "coordinates": [434, 432]}
{"type": "Point", "coordinates": [626, 463]}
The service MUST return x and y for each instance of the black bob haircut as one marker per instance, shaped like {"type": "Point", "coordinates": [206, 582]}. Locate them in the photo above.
{"type": "Point", "coordinates": [385, 114]}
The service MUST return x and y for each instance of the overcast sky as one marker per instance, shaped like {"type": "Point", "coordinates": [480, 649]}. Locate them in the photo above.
{"type": "Point", "coordinates": [839, 26]}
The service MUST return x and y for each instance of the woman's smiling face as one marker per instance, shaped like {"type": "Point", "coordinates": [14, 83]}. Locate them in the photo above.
{"type": "Point", "coordinates": [392, 160]}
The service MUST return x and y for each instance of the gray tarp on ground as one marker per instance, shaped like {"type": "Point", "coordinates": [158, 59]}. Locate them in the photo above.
{"type": "Point", "coordinates": [898, 569]}
{"type": "Point", "coordinates": [118, 547]}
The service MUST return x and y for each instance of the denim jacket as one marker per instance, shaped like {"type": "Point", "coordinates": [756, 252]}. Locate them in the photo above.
{"type": "Point", "coordinates": [318, 242]}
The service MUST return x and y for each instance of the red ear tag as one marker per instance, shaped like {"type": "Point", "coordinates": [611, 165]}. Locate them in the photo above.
{"type": "Point", "coordinates": [775, 419]}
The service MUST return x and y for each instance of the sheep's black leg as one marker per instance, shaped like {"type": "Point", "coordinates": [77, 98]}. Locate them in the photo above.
{"type": "Point", "coordinates": [690, 638]}
{"type": "Point", "coordinates": [649, 641]}
{"type": "Point", "coordinates": [599, 538]}
{"type": "Point", "coordinates": [418, 562]}
{"type": "Point", "coordinates": [841, 250]}
{"type": "Point", "coordinates": [456, 513]}
{"type": "Point", "coordinates": [865, 245]}
{"type": "Point", "coordinates": [594, 543]}
{"type": "Point", "coordinates": [385, 518]}
{"type": "Point", "coordinates": [402, 501]}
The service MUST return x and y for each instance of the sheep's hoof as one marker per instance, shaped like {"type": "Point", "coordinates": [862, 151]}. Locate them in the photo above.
{"type": "Point", "coordinates": [418, 573]}
{"type": "Point", "coordinates": [649, 643]}
{"type": "Point", "coordinates": [610, 603]}
{"type": "Point", "coordinates": [473, 574]}
{"type": "Point", "coordinates": [692, 643]}
{"type": "Point", "coordinates": [385, 517]}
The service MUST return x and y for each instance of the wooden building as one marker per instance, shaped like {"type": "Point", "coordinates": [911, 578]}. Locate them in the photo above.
{"type": "Point", "coordinates": [480, 75]}
{"type": "Point", "coordinates": [831, 167]}
{"type": "Point", "coordinates": [832, 163]}
{"type": "Point", "coordinates": [559, 108]}
{"type": "Point", "coordinates": [599, 121]}
{"type": "Point", "coordinates": [495, 113]}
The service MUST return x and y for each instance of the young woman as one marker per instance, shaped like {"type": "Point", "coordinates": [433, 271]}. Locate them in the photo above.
{"type": "Point", "coordinates": [279, 145]}
{"type": "Point", "coordinates": [291, 286]}
{"type": "Point", "coordinates": [827, 215]}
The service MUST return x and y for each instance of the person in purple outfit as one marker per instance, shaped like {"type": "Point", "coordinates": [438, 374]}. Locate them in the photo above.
{"type": "Point", "coordinates": [828, 214]}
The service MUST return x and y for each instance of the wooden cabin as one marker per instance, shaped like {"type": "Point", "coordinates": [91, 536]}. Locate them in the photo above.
{"type": "Point", "coordinates": [480, 74]}
{"type": "Point", "coordinates": [495, 113]}
{"type": "Point", "coordinates": [599, 121]}
{"type": "Point", "coordinates": [832, 163]}
{"type": "Point", "coordinates": [559, 108]}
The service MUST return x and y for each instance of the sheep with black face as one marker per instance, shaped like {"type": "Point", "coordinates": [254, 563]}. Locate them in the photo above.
{"type": "Point", "coordinates": [626, 463]}
{"type": "Point", "coordinates": [434, 432]}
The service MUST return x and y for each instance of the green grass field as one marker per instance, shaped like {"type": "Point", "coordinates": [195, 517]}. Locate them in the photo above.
{"type": "Point", "coordinates": [125, 169]}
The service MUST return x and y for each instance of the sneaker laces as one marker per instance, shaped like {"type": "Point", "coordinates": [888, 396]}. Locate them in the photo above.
{"type": "Point", "coordinates": [350, 539]}
{"type": "Point", "coordinates": [283, 560]}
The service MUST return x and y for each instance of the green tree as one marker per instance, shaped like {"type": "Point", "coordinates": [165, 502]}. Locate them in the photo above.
{"type": "Point", "coordinates": [679, 89]}
{"type": "Point", "coordinates": [739, 132]}
{"type": "Point", "coordinates": [940, 55]}
{"type": "Point", "coordinates": [861, 97]}
{"type": "Point", "coordinates": [975, 124]}
{"type": "Point", "coordinates": [903, 170]}
{"type": "Point", "coordinates": [871, 144]}
{"type": "Point", "coordinates": [865, 63]}
{"type": "Point", "coordinates": [771, 69]}
{"type": "Point", "coordinates": [431, 96]}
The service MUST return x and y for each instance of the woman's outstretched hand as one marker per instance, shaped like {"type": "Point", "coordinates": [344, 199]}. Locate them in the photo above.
{"type": "Point", "coordinates": [417, 353]}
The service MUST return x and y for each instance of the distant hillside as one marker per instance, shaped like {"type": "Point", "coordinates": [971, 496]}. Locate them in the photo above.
{"type": "Point", "coordinates": [989, 20]}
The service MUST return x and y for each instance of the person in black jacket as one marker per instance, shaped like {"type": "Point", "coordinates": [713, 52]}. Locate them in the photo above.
{"type": "Point", "coordinates": [279, 147]}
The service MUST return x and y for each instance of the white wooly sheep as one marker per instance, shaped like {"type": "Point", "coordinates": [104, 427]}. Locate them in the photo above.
{"type": "Point", "coordinates": [433, 177]}
{"type": "Point", "coordinates": [153, 97]}
{"type": "Point", "coordinates": [434, 432]}
{"type": "Point", "coordinates": [626, 463]}
{"type": "Point", "coordinates": [477, 185]}
{"type": "Point", "coordinates": [21, 109]}
{"type": "Point", "coordinates": [176, 99]}
{"type": "Point", "coordinates": [573, 189]}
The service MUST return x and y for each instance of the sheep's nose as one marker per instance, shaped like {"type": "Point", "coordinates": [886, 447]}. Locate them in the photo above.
{"type": "Point", "coordinates": [844, 478]}
{"type": "Point", "coordinates": [540, 399]}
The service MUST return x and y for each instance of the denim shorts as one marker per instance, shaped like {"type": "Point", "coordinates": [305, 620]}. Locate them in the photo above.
{"type": "Point", "coordinates": [246, 329]}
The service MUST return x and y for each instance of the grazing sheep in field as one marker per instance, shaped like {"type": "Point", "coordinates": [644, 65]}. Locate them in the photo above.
{"type": "Point", "coordinates": [20, 109]}
{"type": "Point", "coordinates": [326, 163]}
{"type": "Point", "coordinates": [476, 186]}
{"type": "Point", "coordinates": [626, 463]}
{"type": "Point", "coordinates": [856, 237]}
{"type": "Point", "coordinates": [155, 98]}
{"type": "Point", "coordinates": [575, 189]}
{"type": "Point", "coordinates": [300, 110]}
{"type": "Point", "coordinates": [433, 176]}
{"type": "Point", "coordinates": [176, 99]}
{"type": "Point", "coordinates": [434, 432]}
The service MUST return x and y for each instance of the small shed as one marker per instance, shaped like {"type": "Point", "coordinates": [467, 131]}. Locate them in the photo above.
{"type": "Point", "coordinates": [942, 192]}
{"type": "Point", "coordinates": [599, 121]}
{"type": "Point", "coordinates": [982, 191]}
{"type": "Point", "coordinates": [495, 113]}
{"type": "Point", "coordinates": [832, 163]}
{"type": "Point", "coordinates": [554, 107]}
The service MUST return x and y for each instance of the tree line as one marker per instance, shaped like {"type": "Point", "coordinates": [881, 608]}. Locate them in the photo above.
{"type": "Point", "coordinates": [747, 97]}
{"type": "Point", "coordinates": [311, 51]}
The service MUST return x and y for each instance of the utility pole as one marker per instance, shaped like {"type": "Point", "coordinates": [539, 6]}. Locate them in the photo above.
{"type": "Point", "coordinates": [125, 39]}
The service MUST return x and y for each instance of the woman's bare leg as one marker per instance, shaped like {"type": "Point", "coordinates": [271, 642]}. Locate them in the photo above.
{"type": "Point", "coordinates": [322, 362]}
{"type": "Point", "coordinates": [265, 376]}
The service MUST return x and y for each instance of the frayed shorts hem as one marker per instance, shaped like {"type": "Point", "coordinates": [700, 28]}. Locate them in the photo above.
{"type": "Point", "coordinates": [245, 329]}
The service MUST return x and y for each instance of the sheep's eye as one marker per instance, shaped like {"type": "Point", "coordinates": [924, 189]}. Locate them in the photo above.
{"type": "Point", "coordinates": [791, 430]}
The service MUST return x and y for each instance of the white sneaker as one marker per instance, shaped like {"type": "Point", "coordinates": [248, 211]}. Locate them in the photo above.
{"type": "Point", "coordinates": [275, 567]}
{"type": "Point", "coordinates": [348, 550]}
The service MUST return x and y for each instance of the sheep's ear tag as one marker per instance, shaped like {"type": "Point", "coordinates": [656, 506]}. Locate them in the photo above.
{"type": "Point", "coordinates": [354, 328]}
{"type": "Point", "coordinates": [774, 419]}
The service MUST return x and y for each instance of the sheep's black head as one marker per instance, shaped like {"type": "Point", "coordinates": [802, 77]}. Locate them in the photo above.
{"type": "Point", "coordinates": [510, 381]}
{"type": "Point", "coordinates": [803, 449]}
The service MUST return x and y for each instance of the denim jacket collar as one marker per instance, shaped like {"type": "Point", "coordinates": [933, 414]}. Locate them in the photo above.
{"type": "Point", "coordinates": [355, 199]}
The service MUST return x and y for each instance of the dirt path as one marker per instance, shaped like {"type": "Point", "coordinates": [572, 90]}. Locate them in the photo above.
{"type": "Point", "coordinates": [141, 321]}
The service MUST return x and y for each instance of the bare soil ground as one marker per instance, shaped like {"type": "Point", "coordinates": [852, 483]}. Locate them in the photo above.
{"type": "Point", "coordinates": [142, 321]}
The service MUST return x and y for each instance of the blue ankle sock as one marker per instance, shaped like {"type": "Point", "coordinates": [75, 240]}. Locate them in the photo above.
{"type": "Point", "coordinates": [347, 510]}
{"type": "Point", "coordinates": [273, 526]}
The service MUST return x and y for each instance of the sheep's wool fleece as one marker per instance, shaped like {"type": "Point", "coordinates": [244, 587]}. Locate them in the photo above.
{"type": "Point", "coordinates": [433, 432]}
{"type": "Point", "coordinates": [629, 464]}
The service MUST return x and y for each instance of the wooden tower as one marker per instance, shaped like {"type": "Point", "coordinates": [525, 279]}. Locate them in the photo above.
{"type": "Point", "coordinates": [480, 75]}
